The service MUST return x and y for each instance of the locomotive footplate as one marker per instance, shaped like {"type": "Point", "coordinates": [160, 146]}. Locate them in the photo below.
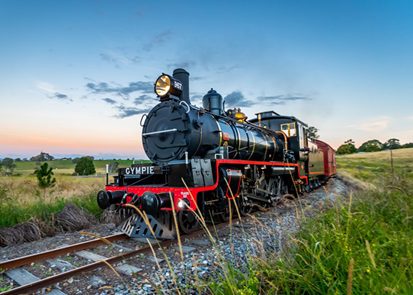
{"type": "Point", "coordinates": [163, 227]}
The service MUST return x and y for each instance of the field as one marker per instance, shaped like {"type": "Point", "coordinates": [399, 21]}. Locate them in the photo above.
{"type": "Point", "coordinates": [21, 198]}
{"type": "Point", "coordinates": [374, 167]}
{"type": "Point", "coordinates": [361, 245]}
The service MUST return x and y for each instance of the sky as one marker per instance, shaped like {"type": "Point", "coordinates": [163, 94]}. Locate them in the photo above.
{"type": "Point", "coordinates": [76, 76]}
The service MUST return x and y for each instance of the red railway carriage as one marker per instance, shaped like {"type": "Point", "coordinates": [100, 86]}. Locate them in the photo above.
{"type": "Point", "coordinates": [206, 160]}
{"type": "Point", "coordinates": [329, 156]}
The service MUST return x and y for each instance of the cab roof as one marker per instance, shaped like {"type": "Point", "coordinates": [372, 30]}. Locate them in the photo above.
{"type": "Point", "coordinates": [273, 115]}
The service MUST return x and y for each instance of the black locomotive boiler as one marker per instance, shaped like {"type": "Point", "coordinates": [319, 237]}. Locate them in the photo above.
{"type": "Point", "coordinates": [205, 159]}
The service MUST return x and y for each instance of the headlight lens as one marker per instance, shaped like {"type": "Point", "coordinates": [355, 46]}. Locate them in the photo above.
{"type": "Point", "coordinates": [183, 204]}
{"type": "Point", "coordinates": [163, 85]}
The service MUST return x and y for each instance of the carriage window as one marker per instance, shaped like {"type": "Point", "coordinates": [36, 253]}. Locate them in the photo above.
{"type": "Point", "coordinates": [289, 129]}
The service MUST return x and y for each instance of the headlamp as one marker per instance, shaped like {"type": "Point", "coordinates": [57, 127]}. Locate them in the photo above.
{"type": "Point", "coordinates": [165, 86]}
{"type": "Point", "coordinates": [183, 204]}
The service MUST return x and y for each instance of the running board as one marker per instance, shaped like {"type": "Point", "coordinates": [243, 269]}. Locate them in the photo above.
{"type": "Point", "coordinates": [163, 227]}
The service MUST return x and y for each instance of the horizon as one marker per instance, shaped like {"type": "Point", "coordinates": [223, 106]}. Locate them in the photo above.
{"type": "Point", "coordinates": [106, 156]}
{"type": "Point", "coordinates": [77, 82]}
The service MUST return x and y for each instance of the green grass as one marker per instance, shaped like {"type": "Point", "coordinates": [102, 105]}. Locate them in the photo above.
{"type": "Point", "coordinates": [21, 199]}
{"type": "Point", "coordinates": [362, 246]}
{"type": "Point", "coordinates": [371, 167]}
{"type": "Point", "coordinates": [12, 213]}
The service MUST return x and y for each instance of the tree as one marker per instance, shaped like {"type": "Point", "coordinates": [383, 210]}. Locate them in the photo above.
{"type": "Point", "coordinates": [373, 145]}
{"type": "Point", "coordinates": [392, 144]}
{"type": "Point", "coordinates": [42, 157]}
{"type": "Point", "coordinates": [312, 132]}
{"type": "Point", "coordinates": [8, 166]}
{"type": "Point", "coordinates": [113, 166]}
{"type": "Point", "coordinates": [85, 166]}
{"type": "Point", "coordinates": [407, 145]}
{"type": "Point", "coordinates": [45, 176]}
{"type": "Point", "coordinates": [347, 148]}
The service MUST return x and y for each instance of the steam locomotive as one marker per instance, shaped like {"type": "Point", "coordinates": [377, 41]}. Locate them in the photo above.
{"type": "Point", "coordinates": [206, 159]}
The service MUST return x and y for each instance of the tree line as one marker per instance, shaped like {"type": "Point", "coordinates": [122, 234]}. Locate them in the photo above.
{"type": "Point", "coordinates": [372, 145]}
{"type": "Point", "coordinates": [83, 166]}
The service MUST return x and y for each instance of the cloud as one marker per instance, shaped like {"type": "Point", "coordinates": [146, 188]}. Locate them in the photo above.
{"type": "Point", "coordinates": [46, 87]}
{"type": "Point", "coordinates": [237, 99]}
{"type": "Point", "coordinates": [50, 91]}
{"type": "Point", "coordinates": [119, 59]}
{"type": "Point", "coordinates": [183, 65]}
{"type": "Point", "coordinates": [283, 98]}
{"type": "Point", "coordinates": [157, 40]}
{"type": "Point", "coordinates": [410, 118]}
{"type": "Point", "coordinates": [109, 100]}
{"type": "Point", "coordinates": [143, 98]}
{"type": "Point", "coordinates": [196, 99]}
{"type": "Point", "coordinates": [61, 96]}
{"type": "Point", "coordinates": [124, 91]}
{"type": "Point", "coordinates": [125, 112]}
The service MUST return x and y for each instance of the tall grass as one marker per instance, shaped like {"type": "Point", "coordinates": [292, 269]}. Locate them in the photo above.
{"type": "Point", "coordinates": [12, 212]}
{"type": "Point", "coordinates": [362, 246]}
{"type": "Point", "coordinates": [21, 199]}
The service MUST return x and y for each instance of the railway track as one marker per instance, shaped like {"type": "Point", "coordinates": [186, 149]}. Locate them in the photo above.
{"type": "Point", "coordinates": [48, 281]}
{"type": "Point", "coordinates": [38, 284]}
{"type": "Point", "coordinates": [28, 259]}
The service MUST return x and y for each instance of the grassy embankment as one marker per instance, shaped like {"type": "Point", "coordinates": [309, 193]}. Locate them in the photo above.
{"type": "Point", "coordinates": [362, 246]}
{"type": "Point", "coordinates": [21, 199]}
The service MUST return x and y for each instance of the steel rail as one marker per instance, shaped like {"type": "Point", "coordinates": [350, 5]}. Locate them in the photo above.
{"type": "Point", "coordinates": [28, 259]}
{"type": "Point", "coordinates": [88, 267]}
{"type": "Point", "coordinates": [46, 282]}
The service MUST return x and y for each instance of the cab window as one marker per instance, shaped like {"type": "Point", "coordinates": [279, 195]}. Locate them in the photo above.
{"type": "Point", "coordinates": [289, 129]}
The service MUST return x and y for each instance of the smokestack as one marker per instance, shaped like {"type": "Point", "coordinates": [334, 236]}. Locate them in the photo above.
{"type": "Point", "coordinates": [183, 76]}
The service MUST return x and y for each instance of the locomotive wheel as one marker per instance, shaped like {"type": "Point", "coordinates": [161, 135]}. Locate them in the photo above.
{"type": "Point", "coordinates": [272, 188]}
{"type": "Point", "coordinates": [187, 221]}
{"type": "Point", "coordinates": [243, 208]}
{"type": "Point", "coordinates": [282, 188]}
{"type": "Point", "coordinates": [269, 187]}
{"type": "Point", "coordinates": [224, 216]}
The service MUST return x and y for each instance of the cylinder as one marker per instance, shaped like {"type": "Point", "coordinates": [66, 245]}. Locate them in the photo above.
{"type": "Point", "coordinates": [183, 76]}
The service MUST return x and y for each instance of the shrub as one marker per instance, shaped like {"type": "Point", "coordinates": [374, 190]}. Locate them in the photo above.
{"type": "Point", "coordinates": [85, 166]}
{"type": "Point", "coordinates": [45, 176]}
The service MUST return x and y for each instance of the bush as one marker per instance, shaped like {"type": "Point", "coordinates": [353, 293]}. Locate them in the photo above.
{"type": "Point", "coordinates": [45, 177]}
{"type": "Point", "coordinates": [345, 149]}
{"type": "Point", "coordinates": [85, 166]}
{"type": "Point", "coordinates": [8, 166]}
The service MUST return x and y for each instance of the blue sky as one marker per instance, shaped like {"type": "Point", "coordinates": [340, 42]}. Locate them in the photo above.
{"type": "Point", "coordinates": [76, 75]}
